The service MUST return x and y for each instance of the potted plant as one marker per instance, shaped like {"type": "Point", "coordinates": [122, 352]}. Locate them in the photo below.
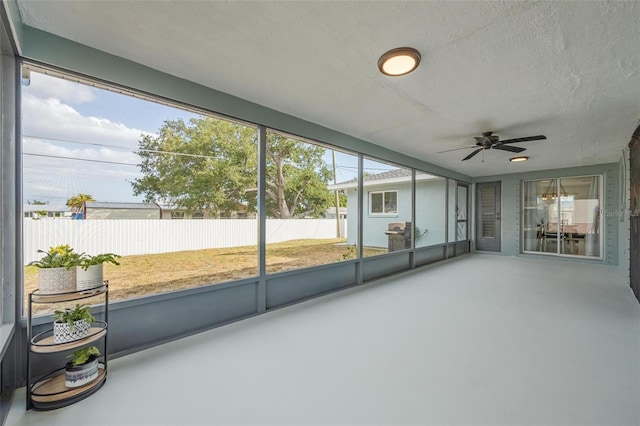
{"type": "Point", "coordinates": [57, 272]}
{"type": "Point", "coordinates": [89, 271]}
{"type": "Point", "coordinates": [72, 324]}
{"type": "Point", "coordinates": [82, 367]}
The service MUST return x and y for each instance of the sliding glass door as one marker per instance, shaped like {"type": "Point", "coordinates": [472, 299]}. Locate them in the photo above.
{"type": "Point", "coordinates": [563, 216]}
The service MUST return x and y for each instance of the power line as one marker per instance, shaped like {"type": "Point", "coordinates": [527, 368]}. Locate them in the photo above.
{"type": "Point", "coordinates": [77, 142]}
{"type": "Point", "coordinates": [154, 151]}
{"type": "Point", "coordinates": [79, 159]}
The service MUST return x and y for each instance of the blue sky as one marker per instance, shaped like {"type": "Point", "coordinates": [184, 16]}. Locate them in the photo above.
{"type": "Point", "coordinates": [132, 112]}
{"type": "Point", "coordinates": [63, 120]}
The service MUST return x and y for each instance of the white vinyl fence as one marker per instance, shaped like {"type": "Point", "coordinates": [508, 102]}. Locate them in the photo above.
{"type": "Point", "coordinates": [128, 237]}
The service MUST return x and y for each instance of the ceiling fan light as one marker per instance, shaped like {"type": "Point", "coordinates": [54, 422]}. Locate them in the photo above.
{"type": "Point", "coordinates": [399, 61]}
{"type": "Point", "coordinates": [518, 159]}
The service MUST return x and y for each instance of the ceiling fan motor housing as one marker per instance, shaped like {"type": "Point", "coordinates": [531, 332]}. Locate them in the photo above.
{"type": "Point", "coordinates": [487, 140]}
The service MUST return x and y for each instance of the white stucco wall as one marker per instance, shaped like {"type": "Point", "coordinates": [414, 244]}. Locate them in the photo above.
{"type": "Point", "coordinates": [430, 213]}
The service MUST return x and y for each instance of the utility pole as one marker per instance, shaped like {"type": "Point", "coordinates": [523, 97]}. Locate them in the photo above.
{"type": "Point", "coordinates": [335, 181]}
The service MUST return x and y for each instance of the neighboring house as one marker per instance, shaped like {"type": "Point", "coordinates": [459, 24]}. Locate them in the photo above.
{"type": "Point", "coordinates": [330, 213]}
{"type": "Point", "coordinates": [41, 211]}
{"type": "Point", "coordinates": [387, 201]}
{"type": "Point", "coordinates": [240, 211]}
{"type": "Point", "coordinates": [105, 210]}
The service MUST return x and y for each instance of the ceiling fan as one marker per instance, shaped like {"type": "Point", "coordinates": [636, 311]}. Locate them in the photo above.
{"type": "Point", "coordinates": [490, 141]}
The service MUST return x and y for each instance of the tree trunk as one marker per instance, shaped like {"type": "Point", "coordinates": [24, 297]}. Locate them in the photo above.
{"type": "Point", "coordinates": [283, 208]}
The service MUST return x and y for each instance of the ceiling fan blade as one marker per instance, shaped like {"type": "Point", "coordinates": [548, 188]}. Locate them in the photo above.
{"type": "Point", "coordinates": [528, 138]}
{"type": "Point", "coordinates": [472, 154]}
{"type": "Point", "coordinates": [509, 148]}
{"type": "Point", "coordinates": [456, 149]}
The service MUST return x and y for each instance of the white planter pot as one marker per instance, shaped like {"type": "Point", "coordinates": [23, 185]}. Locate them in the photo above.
{"type": "Point", "coordinates": [82, 374]}
{"type": "Point", "coordinates": [63, 332]}
{"type": "Point", "coordinates": [91, 278]}
{"type": "Point", "coordinates": [56, 280]}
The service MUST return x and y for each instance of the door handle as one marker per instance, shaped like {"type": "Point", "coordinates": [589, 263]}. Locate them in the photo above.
{"type": "Point", "coordinates": [497, 216]}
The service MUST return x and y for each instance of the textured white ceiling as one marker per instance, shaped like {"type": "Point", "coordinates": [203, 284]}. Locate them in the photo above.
{"type": "Point", "coordinates": [569, 70]}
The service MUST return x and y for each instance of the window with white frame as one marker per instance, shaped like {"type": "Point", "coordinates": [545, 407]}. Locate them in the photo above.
{"type": "Point", "coordinates": [383, 202]}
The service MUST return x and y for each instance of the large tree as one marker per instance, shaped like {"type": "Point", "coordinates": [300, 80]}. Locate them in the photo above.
{"type": "Point", "coordinates": [297, 178]}
{"type": "Point", "coordinates": [209, 166]}
{"type": "Point", "coordinates": [203, 166]}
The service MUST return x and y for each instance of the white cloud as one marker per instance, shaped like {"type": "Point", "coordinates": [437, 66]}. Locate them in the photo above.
{"type": "Point", "coordinates": [47, 87]}
{"type": "Point", "coordinates": [53, 119]}
{"type": "Point", "coordinates": [52, 162]}
{"type": "Point", "coordinates": [46, 148]}
{"type": "Point", "coordinates": [55, 174]}
{"type": "Point", "coordinates": [51, 167]}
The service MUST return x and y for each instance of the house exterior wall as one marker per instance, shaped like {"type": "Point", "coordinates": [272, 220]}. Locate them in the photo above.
{"type": "Point", "coordinates": [374, 225]}
{"type": "Point", "coordinates": [511, 193]}
{"type": "Point", "coordinates": [430, 213]}
{"type": "Point", "coordinates": [352, 216]}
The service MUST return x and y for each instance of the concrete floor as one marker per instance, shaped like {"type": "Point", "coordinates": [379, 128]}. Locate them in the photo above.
{"type": "Point", "coordinates": [481, 340]}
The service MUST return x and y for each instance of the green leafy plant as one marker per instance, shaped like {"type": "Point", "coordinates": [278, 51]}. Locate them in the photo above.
{"type": "Point", "coordinates": [87, 260]}
{"type": "Point", "coordinates": [81, 356]}
{"type": "Point", "coordinates": [80, 312]}
{"type": "Point", "coordinates": [350, 253]}
{"type": "Point", "coordinates": [61, 256]}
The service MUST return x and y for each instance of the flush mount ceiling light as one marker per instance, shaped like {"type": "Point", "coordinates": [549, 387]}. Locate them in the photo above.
{"type": "Point", "coordinates": [518, 159]}
{"type": "Point", "coordinates": [400, 61]}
